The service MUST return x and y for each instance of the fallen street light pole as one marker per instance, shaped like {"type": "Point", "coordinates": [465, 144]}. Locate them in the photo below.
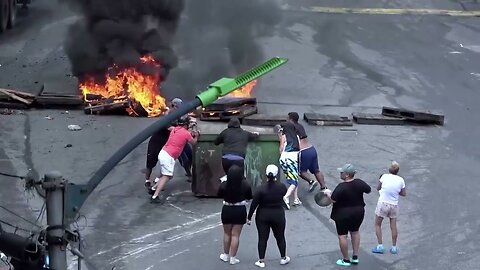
{"type": "Point", "coordinates": [64, 199]}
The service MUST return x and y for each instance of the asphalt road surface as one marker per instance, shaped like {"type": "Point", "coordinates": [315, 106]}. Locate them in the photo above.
{"type": "Point", "coordinates": [339, 63]}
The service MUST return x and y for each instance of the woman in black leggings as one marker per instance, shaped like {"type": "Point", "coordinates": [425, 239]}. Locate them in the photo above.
{"type": "Point", "coordinates": [270, 215]}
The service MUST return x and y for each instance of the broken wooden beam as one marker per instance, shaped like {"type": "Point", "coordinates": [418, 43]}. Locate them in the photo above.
{"type": "Point", "coordinates": [264, 120]}
{"type": "Point", "coordinates": [326, 119]}
{"type": "Point", "coordinates": [107, 107]}
{"type": "Point", "coordinates": [377, 119]}
{"type": "Point", "coordinates": [56, 101]}
{"type": "Point", "coordinates": [19, 93]}
{"type": "Point", "coordinates": [13, 96]}
{"type": "Point", "coordinates": [414, 116]}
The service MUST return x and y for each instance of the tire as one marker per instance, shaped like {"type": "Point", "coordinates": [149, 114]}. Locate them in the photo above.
{"type": "Point", "coordinates": [3, 15]}
{"type": "Point", "coordinates": [12, 15]}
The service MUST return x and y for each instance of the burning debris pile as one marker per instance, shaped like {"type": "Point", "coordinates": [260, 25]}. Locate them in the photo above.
{"type": "Point", "coordinates": [121, 53]}
{"type": "Point", "coordinates": [125, 89]}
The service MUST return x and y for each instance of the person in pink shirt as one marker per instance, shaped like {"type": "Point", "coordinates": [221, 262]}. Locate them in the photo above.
{"type": "Point", "coordinates": [179, 137]}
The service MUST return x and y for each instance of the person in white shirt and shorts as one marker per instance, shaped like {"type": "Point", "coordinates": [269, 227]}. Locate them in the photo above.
{"type": "Point", "coordinates": [391, 187]}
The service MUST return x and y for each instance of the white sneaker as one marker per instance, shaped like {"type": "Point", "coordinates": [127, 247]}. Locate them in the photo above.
{"type": "Point", "coordinates": [297, 202]}
{"type": "Point", "coordinates": [224, 257]}
{"type": "Point", "coordinates": [285, 261]}
{"type": "Point", "coordinates": [287, 202]}
{"type": "Point", "coordinates": [234, 260]}
{"type": "Point", "coordinates": [260, 264]}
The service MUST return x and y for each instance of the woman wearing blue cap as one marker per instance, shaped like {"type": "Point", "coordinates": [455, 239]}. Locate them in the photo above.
{"type": "Point", "coordinates": [348, 211]}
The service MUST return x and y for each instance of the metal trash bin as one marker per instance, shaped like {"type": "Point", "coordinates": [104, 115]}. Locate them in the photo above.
{"type": "Point", "coordinates": [207, 163]}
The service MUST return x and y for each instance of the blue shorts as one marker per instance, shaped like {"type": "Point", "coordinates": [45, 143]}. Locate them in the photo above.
{"type": "Point", "coordinates": [289, 165]}
{"type": "Point", "coordinates": [309, 160]}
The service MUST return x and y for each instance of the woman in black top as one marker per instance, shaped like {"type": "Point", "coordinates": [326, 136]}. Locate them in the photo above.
{"type": "Point", "coordinates": [235, 193]}
{"type": "Point", "coordinates": [268, 201]}
{"type": "Point", "coordinates": [348, 211]}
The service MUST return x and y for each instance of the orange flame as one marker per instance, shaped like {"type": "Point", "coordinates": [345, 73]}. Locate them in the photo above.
{"type": "Point", "coordinates": [129, 83]}
{"type": "Point", "coordinates": [244, 91]}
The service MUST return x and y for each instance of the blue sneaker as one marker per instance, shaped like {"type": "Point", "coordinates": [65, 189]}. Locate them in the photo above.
{"type": "Point", "coordinates": [394, 250]}
{"type": "Point", "coordinates": [378, 249]}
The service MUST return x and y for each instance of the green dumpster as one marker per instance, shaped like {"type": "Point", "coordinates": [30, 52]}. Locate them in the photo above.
{"type": "Point", "coordinates": [207, 163]}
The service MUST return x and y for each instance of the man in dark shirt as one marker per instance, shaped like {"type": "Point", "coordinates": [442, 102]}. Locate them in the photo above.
{"type": "Point", "coordinates": [308, 157]}
{"type": "Point", "coordinates": [235, 141]}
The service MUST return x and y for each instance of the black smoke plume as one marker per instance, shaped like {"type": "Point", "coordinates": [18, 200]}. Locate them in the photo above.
{"type": "Point", "coordinates": [222, 38]}
{"type": "Point", "coordinates": [120, 32]}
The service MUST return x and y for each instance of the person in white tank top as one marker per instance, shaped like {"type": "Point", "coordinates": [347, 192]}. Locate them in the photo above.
{"type": "Point", "coordinates": [391, 187]}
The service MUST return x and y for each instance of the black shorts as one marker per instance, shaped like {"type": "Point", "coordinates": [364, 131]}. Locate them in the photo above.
{"type": "Point", "coordinates": [236, 215]}
{"type": "Point", "coordinates": [350, 224]}
{"type": "Point", "coordinates": [153, 150]}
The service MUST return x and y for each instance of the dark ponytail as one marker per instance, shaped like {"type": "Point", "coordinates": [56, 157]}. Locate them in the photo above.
{"type": "Point", "coordinates": [270, 179]}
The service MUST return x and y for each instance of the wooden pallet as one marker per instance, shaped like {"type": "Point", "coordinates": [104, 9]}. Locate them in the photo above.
{"type": "Point", "coordinates": [377, 119]}
{"type": "Point", "coordinates": [326, 120]}
{"type": "Point", "coordinates": [264, 120]}
{"type": "Point", "coordinates": [414, 116]}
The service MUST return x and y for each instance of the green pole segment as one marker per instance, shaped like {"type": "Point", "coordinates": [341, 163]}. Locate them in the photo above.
{"type": "Point", "coordinates": [224, 86]}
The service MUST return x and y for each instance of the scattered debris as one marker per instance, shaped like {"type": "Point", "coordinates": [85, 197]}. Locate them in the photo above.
{"type": "Point", "coordinates": [327, 120]}
{"type": "Point", "coordinates": [74, 127]}
{"type": "Point", "coordinates": [48, 117]}
{"type": "Point", "coordinates": [68, 145]}
{"type": "Point", "coordinates": [6, 112]}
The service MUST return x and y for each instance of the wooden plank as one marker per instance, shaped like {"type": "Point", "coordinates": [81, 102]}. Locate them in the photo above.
{"type": "Point", "coordinates": [58, 101]}
{"type": "Point", "coordinates": [330, 123]}
{"type": "Point", "coordinates": [264, 120]}
{"type": "Point", "coordinates": [324, 117]}
{"type": "Point", "coordinates": [19, 93]}
{"type": "Point", "coordinates": [227, 102]}
{"type": "Point", "coordinates": [377, 119]}
{"type": "Point", "coordinates": [104, 108]}
{"type": "Point", "coordinates": [15, 97]}
{"type": "Point", "coordinates": [420, 117]}
{"type": "Point", "coordinates": [327, 119]}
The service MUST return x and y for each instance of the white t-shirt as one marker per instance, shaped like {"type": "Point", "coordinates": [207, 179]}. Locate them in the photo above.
{"type": "Point", "coordinates": [391, 187]}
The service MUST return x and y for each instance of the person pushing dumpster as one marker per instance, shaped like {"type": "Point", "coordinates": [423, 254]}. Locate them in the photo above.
{"type": "Point", "coordinates": [235, 141]}
{"type": "Point", "coordinates": [179, 137]}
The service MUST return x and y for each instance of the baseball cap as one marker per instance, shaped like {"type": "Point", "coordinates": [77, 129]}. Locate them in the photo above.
{"type": "Point", "coordinates": [176, 102]}
{"type": "Point", "coordinates": [347, 168]}
{"type": "Point", "coordinates": [272, 169]}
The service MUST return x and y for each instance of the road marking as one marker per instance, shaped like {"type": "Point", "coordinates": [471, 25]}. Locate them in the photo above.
{"type": "Point", "coordinates": [159, 243]}
{"type": "Point", "coordinates": [139, 240]}
{"type": "Point", "coordinates": [175, 255]}
{"type": "Point", "coordinates": [390, 11]}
